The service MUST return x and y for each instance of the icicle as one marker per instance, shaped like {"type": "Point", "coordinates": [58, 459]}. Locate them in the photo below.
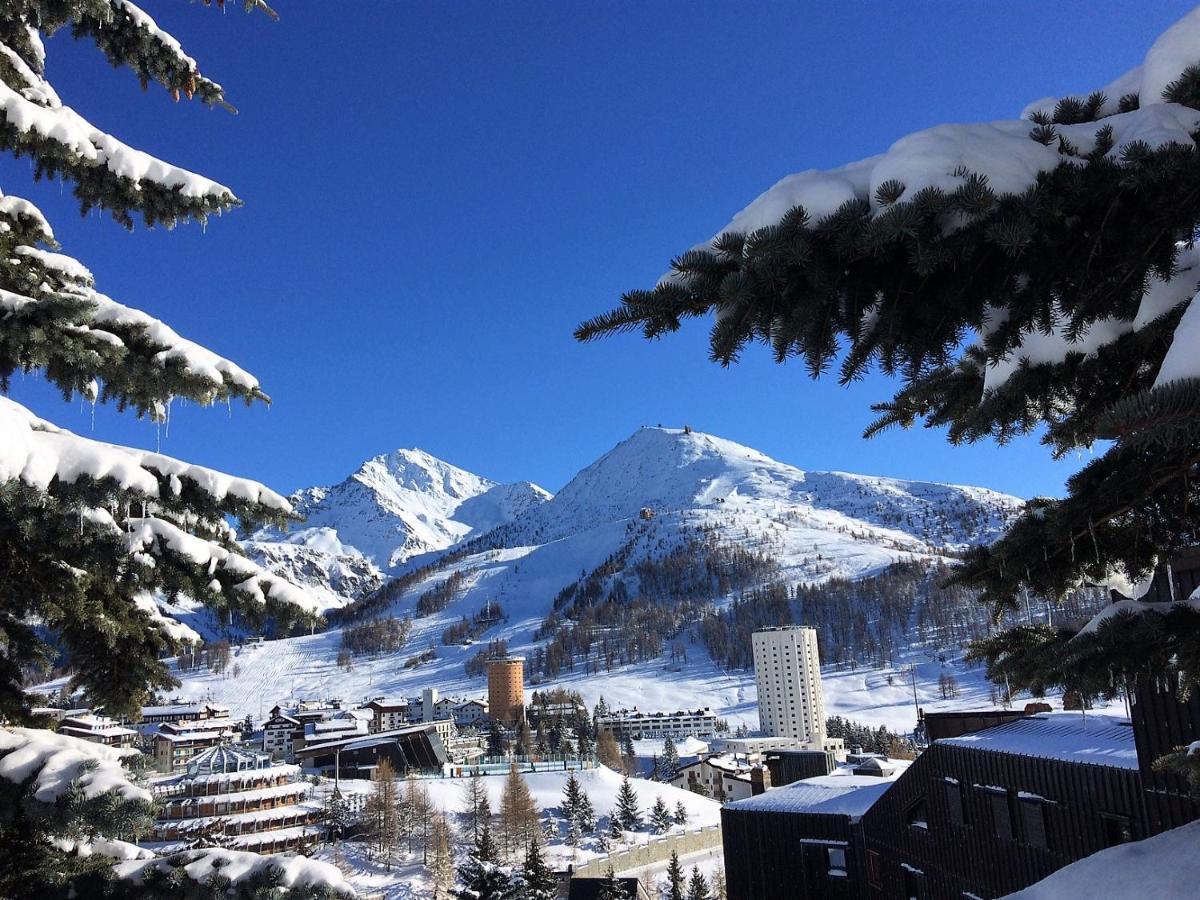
{"type": "Point", "coordinates": [1171, 581]}
{"type": "Point", "coordinates": [1095, 543]}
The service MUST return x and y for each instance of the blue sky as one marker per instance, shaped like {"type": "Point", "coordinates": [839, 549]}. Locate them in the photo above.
{"type": "Point", "coordinates": [436, 193]}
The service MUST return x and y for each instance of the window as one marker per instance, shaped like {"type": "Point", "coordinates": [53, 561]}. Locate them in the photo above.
{"type": "Point", "coordinates": [1033, 822]}
{"type": "Point", "coordinates": [917, 814]}
{"type": "Point", "coordinates": [1117, 829]}
{"type": "Point", "coordinates": [874, 870]}
{"type": "Point", "coordinates": [914, 883]}
{"type": "Point", "coordinates": [836, 858]}
{"type": "Point", "coordinates": [954, 803]}
{"type": "Point", "coordinates": [1002, 825]}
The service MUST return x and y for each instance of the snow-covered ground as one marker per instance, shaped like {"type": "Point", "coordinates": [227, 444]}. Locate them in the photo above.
{"type": "Point", "coordinates": [408, 879]}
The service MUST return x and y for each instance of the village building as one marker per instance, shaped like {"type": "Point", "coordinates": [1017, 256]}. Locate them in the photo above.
{"type": "Point", "coordinates": [236, 797]}
{"type": "Point", "coordinates": [414, 748]}
{"type": "Point", "coordinates": [175, 743]}
{"type": "Point", "coordinates": [97, 729]}
{"type": "Point", "coordinates": [684, 723]}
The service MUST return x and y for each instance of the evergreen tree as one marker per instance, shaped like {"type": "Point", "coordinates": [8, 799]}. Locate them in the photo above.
{"type": "Point", "coordinates": [669, 763]}
{"type": "Point", "coordinates": [676, 879]}
{"type": "Point", "coordinates": [627, 814]}
{"type": "Point", "coordinates": [338, 816]}
{"type": "Point", "coordinates": [497, 744]}
{"type": "Point", "coordinates": [586, 814]}
{"type": "Point", "coordinates": [538, 882]}
{"type": "Point", "coordinates": [610, 888]}
{"type": "Point", "coordinates": [698, 886]}
{"type": "Point", "coordinates": [1057, 302]}
{"type": "Point", "coordinates": [681, 813]}
{"type": "Point", "coordinates": [628, 752]}
{"type": "Point", "coordinates": [572, 798]}
{"type": "Point", "coordinates": [661, 819]}
{"type": "Point", "coordinates": [89, 531]}
{"type": "Point", "coordinates": [584, 746]}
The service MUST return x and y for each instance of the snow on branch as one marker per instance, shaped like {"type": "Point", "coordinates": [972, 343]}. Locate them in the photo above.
{"type": "Point", "coordinates": [54, 762]}
{"type": "Point", "coordinates": [158, 537]}
{"type": "Point", "coordinates": [38, 453]}
{"type": "Point", "coordinates": [240, 866]}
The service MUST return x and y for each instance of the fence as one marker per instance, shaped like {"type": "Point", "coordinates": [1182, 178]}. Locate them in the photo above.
{"type": "Point", "coordinates": [656, 850]}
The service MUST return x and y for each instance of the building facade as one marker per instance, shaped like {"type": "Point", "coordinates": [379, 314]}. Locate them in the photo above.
{"type": "Point", "coordinates": [506, 690]}
{"type": "Point", "coordinates": [787, 669]}
{"type": "Point", "coordinates": [700, 723]}
{"type": "Point", "coordinates": [97, 729]}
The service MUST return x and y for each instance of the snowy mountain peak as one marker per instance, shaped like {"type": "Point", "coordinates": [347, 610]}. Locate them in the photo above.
{"type": "Point", "coordinates": [391, 508]}
{"type": "Point", "coordinates": [669, 469]}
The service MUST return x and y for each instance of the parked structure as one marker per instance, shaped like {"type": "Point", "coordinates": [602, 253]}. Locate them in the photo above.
{"type": "Point", "coordinates": [787, 669]}
{"type": "Point", "coordinates": [684, 723]}
{"type": "Point", "coordinates": [506, 690]}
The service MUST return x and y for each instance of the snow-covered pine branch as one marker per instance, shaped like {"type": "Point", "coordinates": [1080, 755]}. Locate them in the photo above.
{"type": "Point", "coordinates": [48, 764]}
{"type": "Point", "coordinates": [71, 796]}
{"type": "Point", "coordinates": [91, 533]}
{"type": "Point", "coordinates": [55, 320]}
{"type": "Point", "coordinates": [1020, 276]}
{"type": "Point", "coordinates": [295, 876]}
{"type": "Point", "coordinates": [106, 172]}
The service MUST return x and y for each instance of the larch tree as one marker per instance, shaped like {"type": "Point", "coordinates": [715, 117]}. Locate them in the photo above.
{"type": "Point", "coordinates": [608, 752]}
{"type": "Point", "coordinates": [518, 812]}
{"type": "Point", "coordinates": [441, 862]}
{"type": "Point", "coordinates": [1030, 276]}
{"type": "Point", "coordinates": [382, 812]}
{"type": "Point", "coordinates": [91, 532]}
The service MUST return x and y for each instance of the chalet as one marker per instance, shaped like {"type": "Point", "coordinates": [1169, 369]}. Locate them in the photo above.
{"type": "Point", "coordinates": [470, 713]}
{"type": "Point", "coordinates": [97, 729]}
{"type": "Point", "coordinates": [278, 732]}
{"type": "Point", "coordinates": [721, 777]}
{"type": "Point", "coordinates": [388, 715]}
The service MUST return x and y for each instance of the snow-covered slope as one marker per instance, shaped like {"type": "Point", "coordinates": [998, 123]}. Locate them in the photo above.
{"type": "Point", "coordinates": [394, 507]}
{"type": "Point", "coordinates": [810, 526]}
{"type": "Point", "coordinates": [670, 470]}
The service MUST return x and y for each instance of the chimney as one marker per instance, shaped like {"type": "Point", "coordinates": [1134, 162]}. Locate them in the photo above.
{"type": "Point", "coordinates": [760, 780]}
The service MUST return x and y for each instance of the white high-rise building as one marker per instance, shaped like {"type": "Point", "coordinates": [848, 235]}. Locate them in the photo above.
{"type": "Point", "coordinates": [788, 672]}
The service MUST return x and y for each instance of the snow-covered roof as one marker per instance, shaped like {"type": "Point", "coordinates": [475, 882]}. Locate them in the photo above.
{"type": "Point", "coordinates": [1165, 865]}
{"type": "Point", "coordinates": [224, 758]}
{"type": "Point", "coordinates": [1095, 738]}
{"type": "Point", "coordinates": [839, 793]}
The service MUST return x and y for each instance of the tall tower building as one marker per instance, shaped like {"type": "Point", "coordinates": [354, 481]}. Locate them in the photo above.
{"type": "Point", "coordinates": [506, 689]}
{"type": "Point", "coordinates": [788, 672]}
